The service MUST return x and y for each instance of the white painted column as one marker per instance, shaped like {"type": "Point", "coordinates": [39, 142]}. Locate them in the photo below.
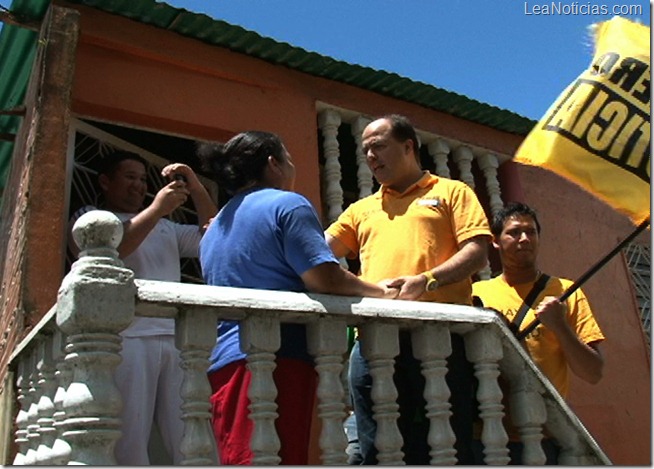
{"type": "Point", "coordinates": [489, 163]}
{"type": "Point", "coordinates": [195, 336]}
{"type": "Point", "coordinates": [329, 121]}
{"type": "Point", "coordinates": [484, 349]}
{"type": "Point", "coordinates": [33, 435]}
{"type": "Point", "coordinates": [432, 345]}
{"type": "Point", "coordinates": [327, 343]}
{"type": "Point", "coordinates": [380, 345]}
{"type": "Point", "coordinates": [22, 396]}
{"type": "Point", "coordinates": [260, 339]}
{"type": "Point", "coordinates": [364, 175]}
{"type": "Point", "coordinates": [96, 302]}
{"type": "Point", "coordinates": [60, 448]}
{"type": "Point", "coordinates": [528, 414]}
{"type": "Point", "coordinates": [45, 411]}
{"type": "Point", "coordinates": [463, 157]}
{"type": "Point", "coordinates": [439, 151]}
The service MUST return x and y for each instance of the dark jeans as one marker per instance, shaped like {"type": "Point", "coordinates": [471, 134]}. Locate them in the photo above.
{"type": "Point", "coordinates": [413, 423]}
{"type": "Point", "coordinates": [551, 449]}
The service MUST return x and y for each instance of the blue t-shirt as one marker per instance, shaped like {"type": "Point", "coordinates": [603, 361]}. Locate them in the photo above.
{"type": "Point", "coordinates": [266, 239]}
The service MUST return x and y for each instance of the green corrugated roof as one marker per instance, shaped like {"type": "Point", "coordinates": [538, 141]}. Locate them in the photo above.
{"type": "Point", "coordinates": [17, 49]}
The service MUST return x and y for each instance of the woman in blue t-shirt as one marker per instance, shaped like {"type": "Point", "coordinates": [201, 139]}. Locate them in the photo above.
{"type": "Point", "coordinates": [266, 237]}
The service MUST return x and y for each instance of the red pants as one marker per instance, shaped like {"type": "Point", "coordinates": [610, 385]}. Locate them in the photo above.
{"type": "Point", "coordinates": [296, 389]}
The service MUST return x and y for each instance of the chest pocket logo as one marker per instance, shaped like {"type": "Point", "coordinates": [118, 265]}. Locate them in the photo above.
{"type": "Point", "coordinates": [433, 203]}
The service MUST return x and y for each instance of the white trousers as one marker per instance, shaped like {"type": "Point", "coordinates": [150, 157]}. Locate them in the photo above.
{"type": "Point", "coordinates": [149, 379]}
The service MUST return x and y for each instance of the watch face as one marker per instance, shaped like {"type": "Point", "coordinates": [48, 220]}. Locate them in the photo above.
{"type": "Point", "coordinates": [432, 285]}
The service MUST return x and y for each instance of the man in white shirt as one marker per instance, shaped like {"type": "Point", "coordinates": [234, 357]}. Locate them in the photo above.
{"type": "Point", "coordinates": [149, 376]}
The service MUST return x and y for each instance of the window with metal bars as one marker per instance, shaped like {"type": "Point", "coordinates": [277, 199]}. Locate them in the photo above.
{"type": "Point", "coordinates": [639, 261]}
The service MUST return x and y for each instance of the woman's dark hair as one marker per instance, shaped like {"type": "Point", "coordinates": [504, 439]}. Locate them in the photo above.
{"type": "Point", "coordinates": [510, 210]}
{"type": "Point", "coordinates": [242, 160]}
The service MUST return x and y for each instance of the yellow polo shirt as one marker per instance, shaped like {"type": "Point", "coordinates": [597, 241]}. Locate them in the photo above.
{"type": "Point", "coordinates": [541, 343]}
{"type": "Point", "coordinates": [396, 234]}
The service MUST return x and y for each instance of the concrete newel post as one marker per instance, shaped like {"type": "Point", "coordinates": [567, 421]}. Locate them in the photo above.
{"type": "Point", "coordinates": [96, 301]}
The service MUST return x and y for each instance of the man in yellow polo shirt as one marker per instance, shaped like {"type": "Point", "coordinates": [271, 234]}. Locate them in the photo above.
{"type": "Point", "coordinates": [567, 337]}
{"type": "Point", "coordinates": [431, 234]}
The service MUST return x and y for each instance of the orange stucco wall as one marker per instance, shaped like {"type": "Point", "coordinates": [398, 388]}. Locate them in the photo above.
{"type": "Point", "coordinates": [130, 73]}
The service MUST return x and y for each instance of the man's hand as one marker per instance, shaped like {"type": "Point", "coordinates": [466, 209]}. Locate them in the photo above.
{"type": "Point", "coordinates": [204, 204]}
{"type": "Point", "coordinates": [585, 360]}
{"type": "Point", "coordinates": [551, 313]}
{"type": "Point", "coordinates": [411, 286]}
{"type": "Point", "coordinates": [390, 292]}
{"type": "Point", "coordinates": [170, 197]}
{"type": "Point", "coordinates": [192, 181]}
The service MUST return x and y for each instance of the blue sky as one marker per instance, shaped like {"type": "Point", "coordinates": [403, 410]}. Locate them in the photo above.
{"type": "Point", "coordinates": [496, 51]}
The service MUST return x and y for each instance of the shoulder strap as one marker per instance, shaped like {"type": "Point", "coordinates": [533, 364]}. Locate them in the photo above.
{"type": "Point", "coordinates": [528, 303]}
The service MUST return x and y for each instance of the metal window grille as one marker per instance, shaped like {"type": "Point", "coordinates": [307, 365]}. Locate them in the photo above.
{"type": "Point", "coordinates": [639, 261]}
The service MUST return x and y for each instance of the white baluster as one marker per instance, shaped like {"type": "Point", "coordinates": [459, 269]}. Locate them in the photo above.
{"type": "Point", "coordinates": [329, 121]}
{"type": "Point", "coordinates": [260, 339]}
{"type": "Point", "coordinates": [380, 345]}
{"type": "Point", "coordinates": [489, 163]}
{"type": "Point", "coordinates": [60, 448]}
{"type": "Point", "coordinates": [528, 415]}
{"type": "Point", "coordinates": [364, 175]}
{"type": "Point", "coordinates": [463, 157]}
{"type": "Point", "coordinates": [45, 411]}
{"type": "Point", "coordinates": [95, 302]}
{"type": "Point", "coordinates": [526, 405]}
{"type": "Point", "coordinates": [572, 448]}
{"type": "Point", "coordinates": [432, 345]}
{"type": "Point", "coordinates": [484, 349]}
{"type": "Point", "coordinates": [23, 398]}
{"type": "Point", "coordinates": [327, 343]}
{"type": "Point", "coordinates": [195, 336]}
{"type": "Point", "coordinates": [33, 435]}
{"type": "Point", "coordinates": [439, 151]}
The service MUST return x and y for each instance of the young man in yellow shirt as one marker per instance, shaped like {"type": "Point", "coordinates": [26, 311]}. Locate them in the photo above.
{"type": "Point", "coordinates": [567, 338]}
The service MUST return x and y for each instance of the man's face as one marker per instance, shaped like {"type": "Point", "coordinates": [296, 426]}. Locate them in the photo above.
{"type": "Point", "coordinates": [389, 160]}
{"type": "Point", "coordinates": [125, 189]}
{"type": "Point", "coordinates": [519, 242]}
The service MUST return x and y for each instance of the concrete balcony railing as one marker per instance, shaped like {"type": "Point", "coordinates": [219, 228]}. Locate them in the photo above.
{"type": "Point", "coordinates": [69, 404]}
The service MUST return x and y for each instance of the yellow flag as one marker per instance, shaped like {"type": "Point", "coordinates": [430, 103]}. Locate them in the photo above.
{"type": "Point", "coordinates": [597, 133]}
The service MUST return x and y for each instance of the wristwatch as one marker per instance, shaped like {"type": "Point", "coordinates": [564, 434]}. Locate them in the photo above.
{"type": "Point", "coordinates": [432, 283]}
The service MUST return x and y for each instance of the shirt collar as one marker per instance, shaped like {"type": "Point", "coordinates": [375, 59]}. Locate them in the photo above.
{"type": "Point", "coordinates": [427, 179]}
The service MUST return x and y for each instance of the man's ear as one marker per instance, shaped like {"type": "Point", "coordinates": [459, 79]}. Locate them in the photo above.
{"type": "Point", "coordinates": [495, 244]}
{"type": "Point", "coordinates": [408, 146]}
{"type": "Point", "coordinates": [103, 181]}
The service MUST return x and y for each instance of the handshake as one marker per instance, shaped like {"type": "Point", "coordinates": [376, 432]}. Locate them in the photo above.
{"type": "Point", "coordinates": [408, 287]}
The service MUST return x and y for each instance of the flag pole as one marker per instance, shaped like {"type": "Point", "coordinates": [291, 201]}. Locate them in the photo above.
{"type": "Point", "coordinates": [589, 273]}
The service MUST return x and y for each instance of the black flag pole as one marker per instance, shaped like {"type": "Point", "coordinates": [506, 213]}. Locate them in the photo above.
{"type": "Point", "coordinates": [589, 273]}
